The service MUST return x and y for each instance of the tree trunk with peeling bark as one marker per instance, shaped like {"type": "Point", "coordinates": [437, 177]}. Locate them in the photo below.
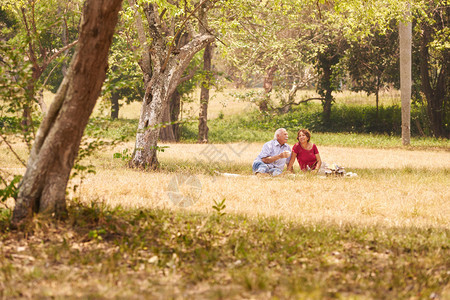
{"type": "Point", "coordinates": [168, 64]}
{"type": "Point", "coordinates": [43, 187]}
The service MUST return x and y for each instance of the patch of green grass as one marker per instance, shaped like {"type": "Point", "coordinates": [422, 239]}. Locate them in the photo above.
{"type": "Point", "coordinates": [351, 126]}
{"type": "Point", "coordinates": [203, 167]}
{"type": "Point", "coordinates": [112, 129]}
{"type": "Point", "coordinates": [141, 252]}
{"type": "Point", "coordinates": [5, 216]}
{"type": "Point", "coordinates": [229, 131]}
{"type": "Point", "coordinates": [255, 127]}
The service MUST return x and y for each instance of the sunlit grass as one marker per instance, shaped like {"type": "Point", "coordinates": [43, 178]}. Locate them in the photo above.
{"type": "Point", "coordinates": [392, 184]}
{"type": "Point", "coordinates": [384, 232]}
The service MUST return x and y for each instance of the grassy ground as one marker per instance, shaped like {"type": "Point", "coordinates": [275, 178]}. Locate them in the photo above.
{"type": "Point", "coordinates": [381, 235]}
{"type": "Point", "coordinates": [165, 254]}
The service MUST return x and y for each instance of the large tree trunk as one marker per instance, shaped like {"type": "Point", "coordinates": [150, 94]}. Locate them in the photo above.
{"type": "Point", "coordinates": [43, 186]}
{"type": "Point", "coordinates": [405, 36]}
{"type": "Point", "coordinates": [204, 97]}
{"type": "Point", "coordinates": [148, 128]}
{"type": "Point", "coordinates": [162, 85]}
{"type": "Point", "coordinates": [168, 67]}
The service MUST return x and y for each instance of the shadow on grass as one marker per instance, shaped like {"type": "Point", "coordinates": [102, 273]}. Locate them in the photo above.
{"type": "Point", "coordinates": [163, 253]}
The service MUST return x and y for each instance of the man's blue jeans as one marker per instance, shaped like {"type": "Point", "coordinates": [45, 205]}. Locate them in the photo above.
{"type": "Point", "coordinates": [260, 167]}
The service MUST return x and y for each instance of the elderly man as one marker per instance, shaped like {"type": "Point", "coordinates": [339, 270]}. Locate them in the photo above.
{"type": "Point", "coordinates": [274, 155]}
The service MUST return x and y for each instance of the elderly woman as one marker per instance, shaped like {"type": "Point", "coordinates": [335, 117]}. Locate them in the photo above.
{"type": "Point", "coordinates": [306, 153]}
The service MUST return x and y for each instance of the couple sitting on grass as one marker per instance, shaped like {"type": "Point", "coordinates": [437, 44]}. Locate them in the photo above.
{"type": "Point", "coordinates": [276, 153]}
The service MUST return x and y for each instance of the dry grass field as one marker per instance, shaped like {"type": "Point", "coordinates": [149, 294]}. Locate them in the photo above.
{"type": "Point", "coordinates": [384, 232]}
{"type": "Point", "coordinates": [132, 234]}
{"type": "Point", "coordinates": [394, 187]}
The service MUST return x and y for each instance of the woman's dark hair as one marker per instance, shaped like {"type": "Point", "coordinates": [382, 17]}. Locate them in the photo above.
{"type": "Point", "coordinates": [305, 132]}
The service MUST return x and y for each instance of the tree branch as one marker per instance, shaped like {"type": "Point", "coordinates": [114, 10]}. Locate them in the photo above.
{"type": "Point", "coordinates": [209, 31]}
{"type": "Point", "coordinates": [146, 67]}
{"type": "Point", "coordinates": [12, 150]}
{"type": "Point", "coordinates": [283, 108]}
{"type": "Point", "coordinates": [166, 60]}
{"type": "Point", "coordinates": [51, 58]}
{"type": "Point", "coordinates": [31, 53]}
{"type": "Point", "coordinates": [188, 76]}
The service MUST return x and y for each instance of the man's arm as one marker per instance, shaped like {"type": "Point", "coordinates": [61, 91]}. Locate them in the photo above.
{"type": "Point", "coordinates": [271, 159]}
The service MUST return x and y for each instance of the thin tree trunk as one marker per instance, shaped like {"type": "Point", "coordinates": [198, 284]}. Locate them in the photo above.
{"type": "Point", "coordinates": [175, 114]}
{"type": "Point", "coordinates": [26, 118]}
{"type": "Point", "coordinates": [115, 105]}
{"type": "Point", "coordinates": [268, 86]}
{"type": "Point", "coordinates": [405, 35]}
{"type": "Point", "coordinates": [65, 40]}
{"type": "Point", "coordinates": [204, 97]}
{"type": "Point", "coordinates": [327, 106]}
{"type": "Point", "coordinates": [327, 103]}
{"type": "Point", "coordinates": [377, 96]}
{"type": "Point", "coordinates": [434, 95]}
{"type": "Point", "coordinates": [43, 186]}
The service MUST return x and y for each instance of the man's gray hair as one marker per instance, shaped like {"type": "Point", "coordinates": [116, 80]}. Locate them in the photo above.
{"type": "Point", "coordinates": [277, 132]}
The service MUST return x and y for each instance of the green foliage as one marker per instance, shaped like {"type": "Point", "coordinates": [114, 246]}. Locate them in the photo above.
{"type": "Point", "coordinates": [161, 148]}
{"type": "Point", "coordinates": [344, 118]}
{"type": "Point", "coordinates": [96, 234]}
{"type": "Point", "coordinates": [15, 75]}
{"type": "Point", "coordinates": [125, 155]}
{"type": "Point", "coordinates": [120, 129]}
{"type": "Point", "coordinates": [124, 79]}
{"type": "Point", "coordinates": [5, 216]}
{"type": "Point", "coordinates": [373, 62]}
{"type": "Point", "coordinates": [10, 189]}
{"type": "Point", "coordinates": [219, 207]}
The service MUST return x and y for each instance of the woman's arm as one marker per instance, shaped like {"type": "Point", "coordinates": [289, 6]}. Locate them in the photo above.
{"type": "Point", "coordinates": [290, 166]}
{"type": "Point", "coordinates": [318, 162]}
